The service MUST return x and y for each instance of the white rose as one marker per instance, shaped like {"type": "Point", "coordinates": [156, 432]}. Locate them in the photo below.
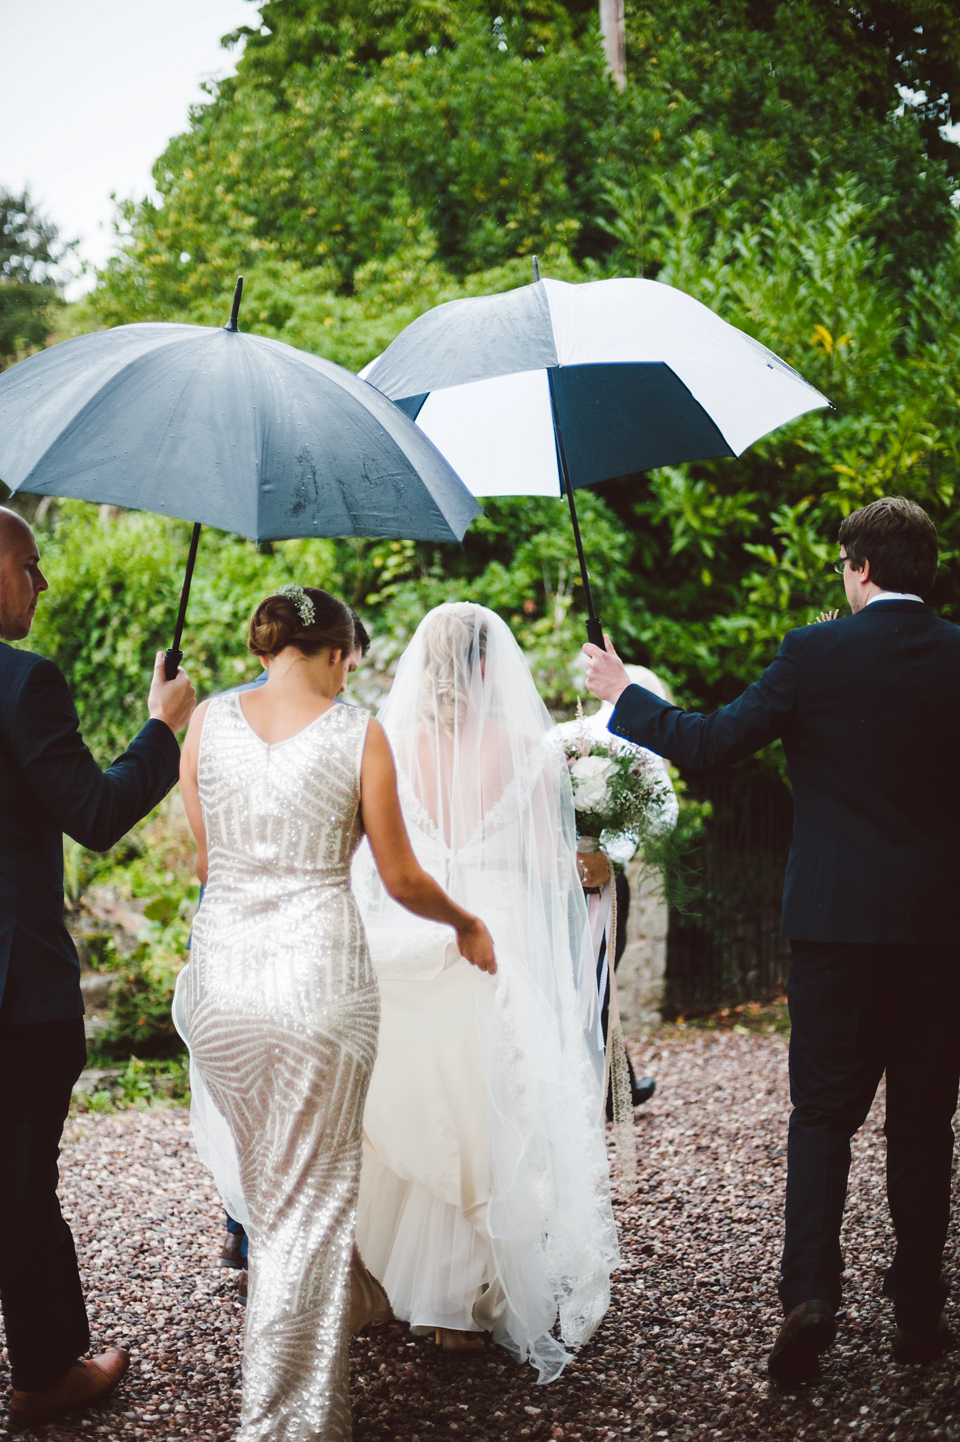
{"type": "Point", "coordinates": [590, 777]}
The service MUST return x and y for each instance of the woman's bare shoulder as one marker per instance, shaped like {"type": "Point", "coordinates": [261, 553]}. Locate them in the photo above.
{"type": "Point", "coordinates": [197, 720]}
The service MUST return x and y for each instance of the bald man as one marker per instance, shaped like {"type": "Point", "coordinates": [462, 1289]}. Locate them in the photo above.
{"type": "Point", "coordinates": [50, 784]}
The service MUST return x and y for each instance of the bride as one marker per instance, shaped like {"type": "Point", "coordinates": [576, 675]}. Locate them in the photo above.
{"type": "Point", "coordinates": [484, 1196]}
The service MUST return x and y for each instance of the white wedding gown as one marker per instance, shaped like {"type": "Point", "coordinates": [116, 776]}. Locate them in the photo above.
{"type": "Point", "coordinates": [484, 1191]}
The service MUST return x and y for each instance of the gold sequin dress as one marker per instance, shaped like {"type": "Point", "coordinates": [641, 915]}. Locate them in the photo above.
{"type": "Point", "coordinates": [281, 1009]}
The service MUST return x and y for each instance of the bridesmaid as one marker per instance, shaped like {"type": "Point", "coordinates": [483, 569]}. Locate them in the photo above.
{"type": "Point", "coordinates": [281, 1002]}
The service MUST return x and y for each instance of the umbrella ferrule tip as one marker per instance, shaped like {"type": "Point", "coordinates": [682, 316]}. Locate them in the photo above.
{"type": "Point", "coordinates": [235, 309]}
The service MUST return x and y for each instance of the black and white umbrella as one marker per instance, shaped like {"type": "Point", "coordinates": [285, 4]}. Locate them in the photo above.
{"type": "Point", "coordinates": [553, 386]}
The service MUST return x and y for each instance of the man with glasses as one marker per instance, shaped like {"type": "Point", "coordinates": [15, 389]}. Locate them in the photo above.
{"type": "Point", "coordinates": [871, 906]}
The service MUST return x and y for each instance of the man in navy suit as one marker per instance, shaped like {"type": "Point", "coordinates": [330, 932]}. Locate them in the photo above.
{"type": "Point", "coordinates": [868, 710]}
{"type": "Point", "coordinates": [50, 784]}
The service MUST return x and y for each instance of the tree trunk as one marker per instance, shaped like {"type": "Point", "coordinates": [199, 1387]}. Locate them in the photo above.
{"type": "Point", "coordinates": [614, 39]}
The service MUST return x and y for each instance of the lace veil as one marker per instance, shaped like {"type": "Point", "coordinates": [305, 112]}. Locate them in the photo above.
{"type": "Point", "coordinates": [487, 800]}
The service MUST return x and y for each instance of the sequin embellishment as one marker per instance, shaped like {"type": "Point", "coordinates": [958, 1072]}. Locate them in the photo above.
{"type": "Point", "coordinates": [283, 1010]}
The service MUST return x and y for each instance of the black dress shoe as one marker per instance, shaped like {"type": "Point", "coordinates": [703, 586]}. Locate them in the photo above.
{"type": "Point", "coordinates": [923, 1346]}
{"type": "Point", "coordinates": [806, 1332]}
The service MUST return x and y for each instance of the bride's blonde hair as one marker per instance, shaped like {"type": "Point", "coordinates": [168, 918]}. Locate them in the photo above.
{"type": "Point", "coordinates": [454, 644]}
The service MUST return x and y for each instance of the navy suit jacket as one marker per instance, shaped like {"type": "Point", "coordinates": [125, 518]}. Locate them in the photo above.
{"type": "Point", "coordinates": [868, 709]}
{"type": "Point", "coordinates": [50, 784]}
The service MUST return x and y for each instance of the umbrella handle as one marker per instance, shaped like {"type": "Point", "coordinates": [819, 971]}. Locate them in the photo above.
{"type": "Point", "coordinates": [594, 632]}
{"type": "Point", "coordinates": [172, 666]}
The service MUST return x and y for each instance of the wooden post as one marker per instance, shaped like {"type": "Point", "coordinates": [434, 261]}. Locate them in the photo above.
{"type": "Point", "coordinates": [614, 39]}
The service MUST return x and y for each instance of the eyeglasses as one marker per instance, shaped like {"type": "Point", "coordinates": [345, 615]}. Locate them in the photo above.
{"type": "Point", "coordinates": [839, 566]}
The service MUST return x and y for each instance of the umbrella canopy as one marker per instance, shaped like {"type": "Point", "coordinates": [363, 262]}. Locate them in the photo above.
{"type": "Point", "coordinates": [640, 375]}
{"type": "Point", "coordinates": [223, 429]}
{"type": "Point", "coordinates": [553, 386]}
{"type": "Point", "coordinates": [226, 429]}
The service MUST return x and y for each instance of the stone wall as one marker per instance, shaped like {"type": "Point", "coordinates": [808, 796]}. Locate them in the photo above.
{"type": "Point", "coordinates": [642, 971]}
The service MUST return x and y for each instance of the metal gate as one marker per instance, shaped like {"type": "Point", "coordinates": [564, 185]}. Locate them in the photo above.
{"type": "Point", "coordinates": [726, 948]}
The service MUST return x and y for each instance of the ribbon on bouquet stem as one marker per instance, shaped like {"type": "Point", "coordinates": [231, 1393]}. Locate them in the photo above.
{"type": "Point", "coordinates": [602, 911]}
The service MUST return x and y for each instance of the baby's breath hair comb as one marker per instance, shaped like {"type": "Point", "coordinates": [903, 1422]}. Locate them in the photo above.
{"type": "Point", "coordinates": [304, 606]}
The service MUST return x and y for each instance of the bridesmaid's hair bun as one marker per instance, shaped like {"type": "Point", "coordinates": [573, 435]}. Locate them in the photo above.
{"type": "Point", "coordinates": [277, 623]}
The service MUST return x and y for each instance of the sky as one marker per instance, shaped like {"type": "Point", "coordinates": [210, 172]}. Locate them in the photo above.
{"type": "Point", "coordinates": [90, 93]}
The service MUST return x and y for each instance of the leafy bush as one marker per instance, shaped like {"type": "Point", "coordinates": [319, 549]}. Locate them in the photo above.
{"type": "Point", "coordinates": [140, 1002]}
{"type": "Point", "coordinates": [140, 1083]}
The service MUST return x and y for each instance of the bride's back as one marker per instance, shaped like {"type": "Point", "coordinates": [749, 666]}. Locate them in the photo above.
{"type": "Point", "coordinates": [466, 724]}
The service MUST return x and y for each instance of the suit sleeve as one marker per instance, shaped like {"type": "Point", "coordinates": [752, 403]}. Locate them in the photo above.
{"type": "Point", "coordinates": [94, 807]}
{"type": "Point", "coordinates": [688, 738]}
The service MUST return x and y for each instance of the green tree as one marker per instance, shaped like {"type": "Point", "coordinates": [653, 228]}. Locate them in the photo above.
{"type": "Point", "coordinates": [30, 253]}
{"type": "Point", "coordinates": [375, 158]}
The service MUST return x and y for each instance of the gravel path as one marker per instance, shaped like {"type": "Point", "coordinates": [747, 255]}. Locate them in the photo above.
{"type": "Point", "coordinates": [680, 1355]}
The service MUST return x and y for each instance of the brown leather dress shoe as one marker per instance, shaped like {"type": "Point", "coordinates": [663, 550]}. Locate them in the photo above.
{"type": "Point", "coordinates": [919, 1347]}
{"type": "Point", "coordinates": [85, 1384]}
{"type": "Point", "coordinates": [231, 1253]}
{"type": "Point", "coordinates": [806, 1332]}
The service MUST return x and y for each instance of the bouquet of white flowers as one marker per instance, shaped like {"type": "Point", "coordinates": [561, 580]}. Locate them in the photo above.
{"type": "Point", "coordinates": [615, 790]}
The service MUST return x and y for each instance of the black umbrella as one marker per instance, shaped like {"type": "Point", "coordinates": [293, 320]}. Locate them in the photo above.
{"type": "Point", "coordinates": [552, 386]}
{"type": "Point", "coordinates": [223, 429]}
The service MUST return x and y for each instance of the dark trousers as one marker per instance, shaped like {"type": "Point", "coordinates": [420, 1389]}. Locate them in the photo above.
{"type": "Point", "coordinates": [622, 892]}
{"type": "Point", "coordinates": [857, 1011]}
{"type": "Point", "coordinates": [43, 1312]}
{"type": "Point", "coordinates": [620, 945]}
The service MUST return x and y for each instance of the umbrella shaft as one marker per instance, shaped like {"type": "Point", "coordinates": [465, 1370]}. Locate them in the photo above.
{"type": "Point", "coordinates": [175, 655]}
{"type": "Point", "coordinates": [594, 629]}
{"type": "Point", "coordinates": [580, 556]}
